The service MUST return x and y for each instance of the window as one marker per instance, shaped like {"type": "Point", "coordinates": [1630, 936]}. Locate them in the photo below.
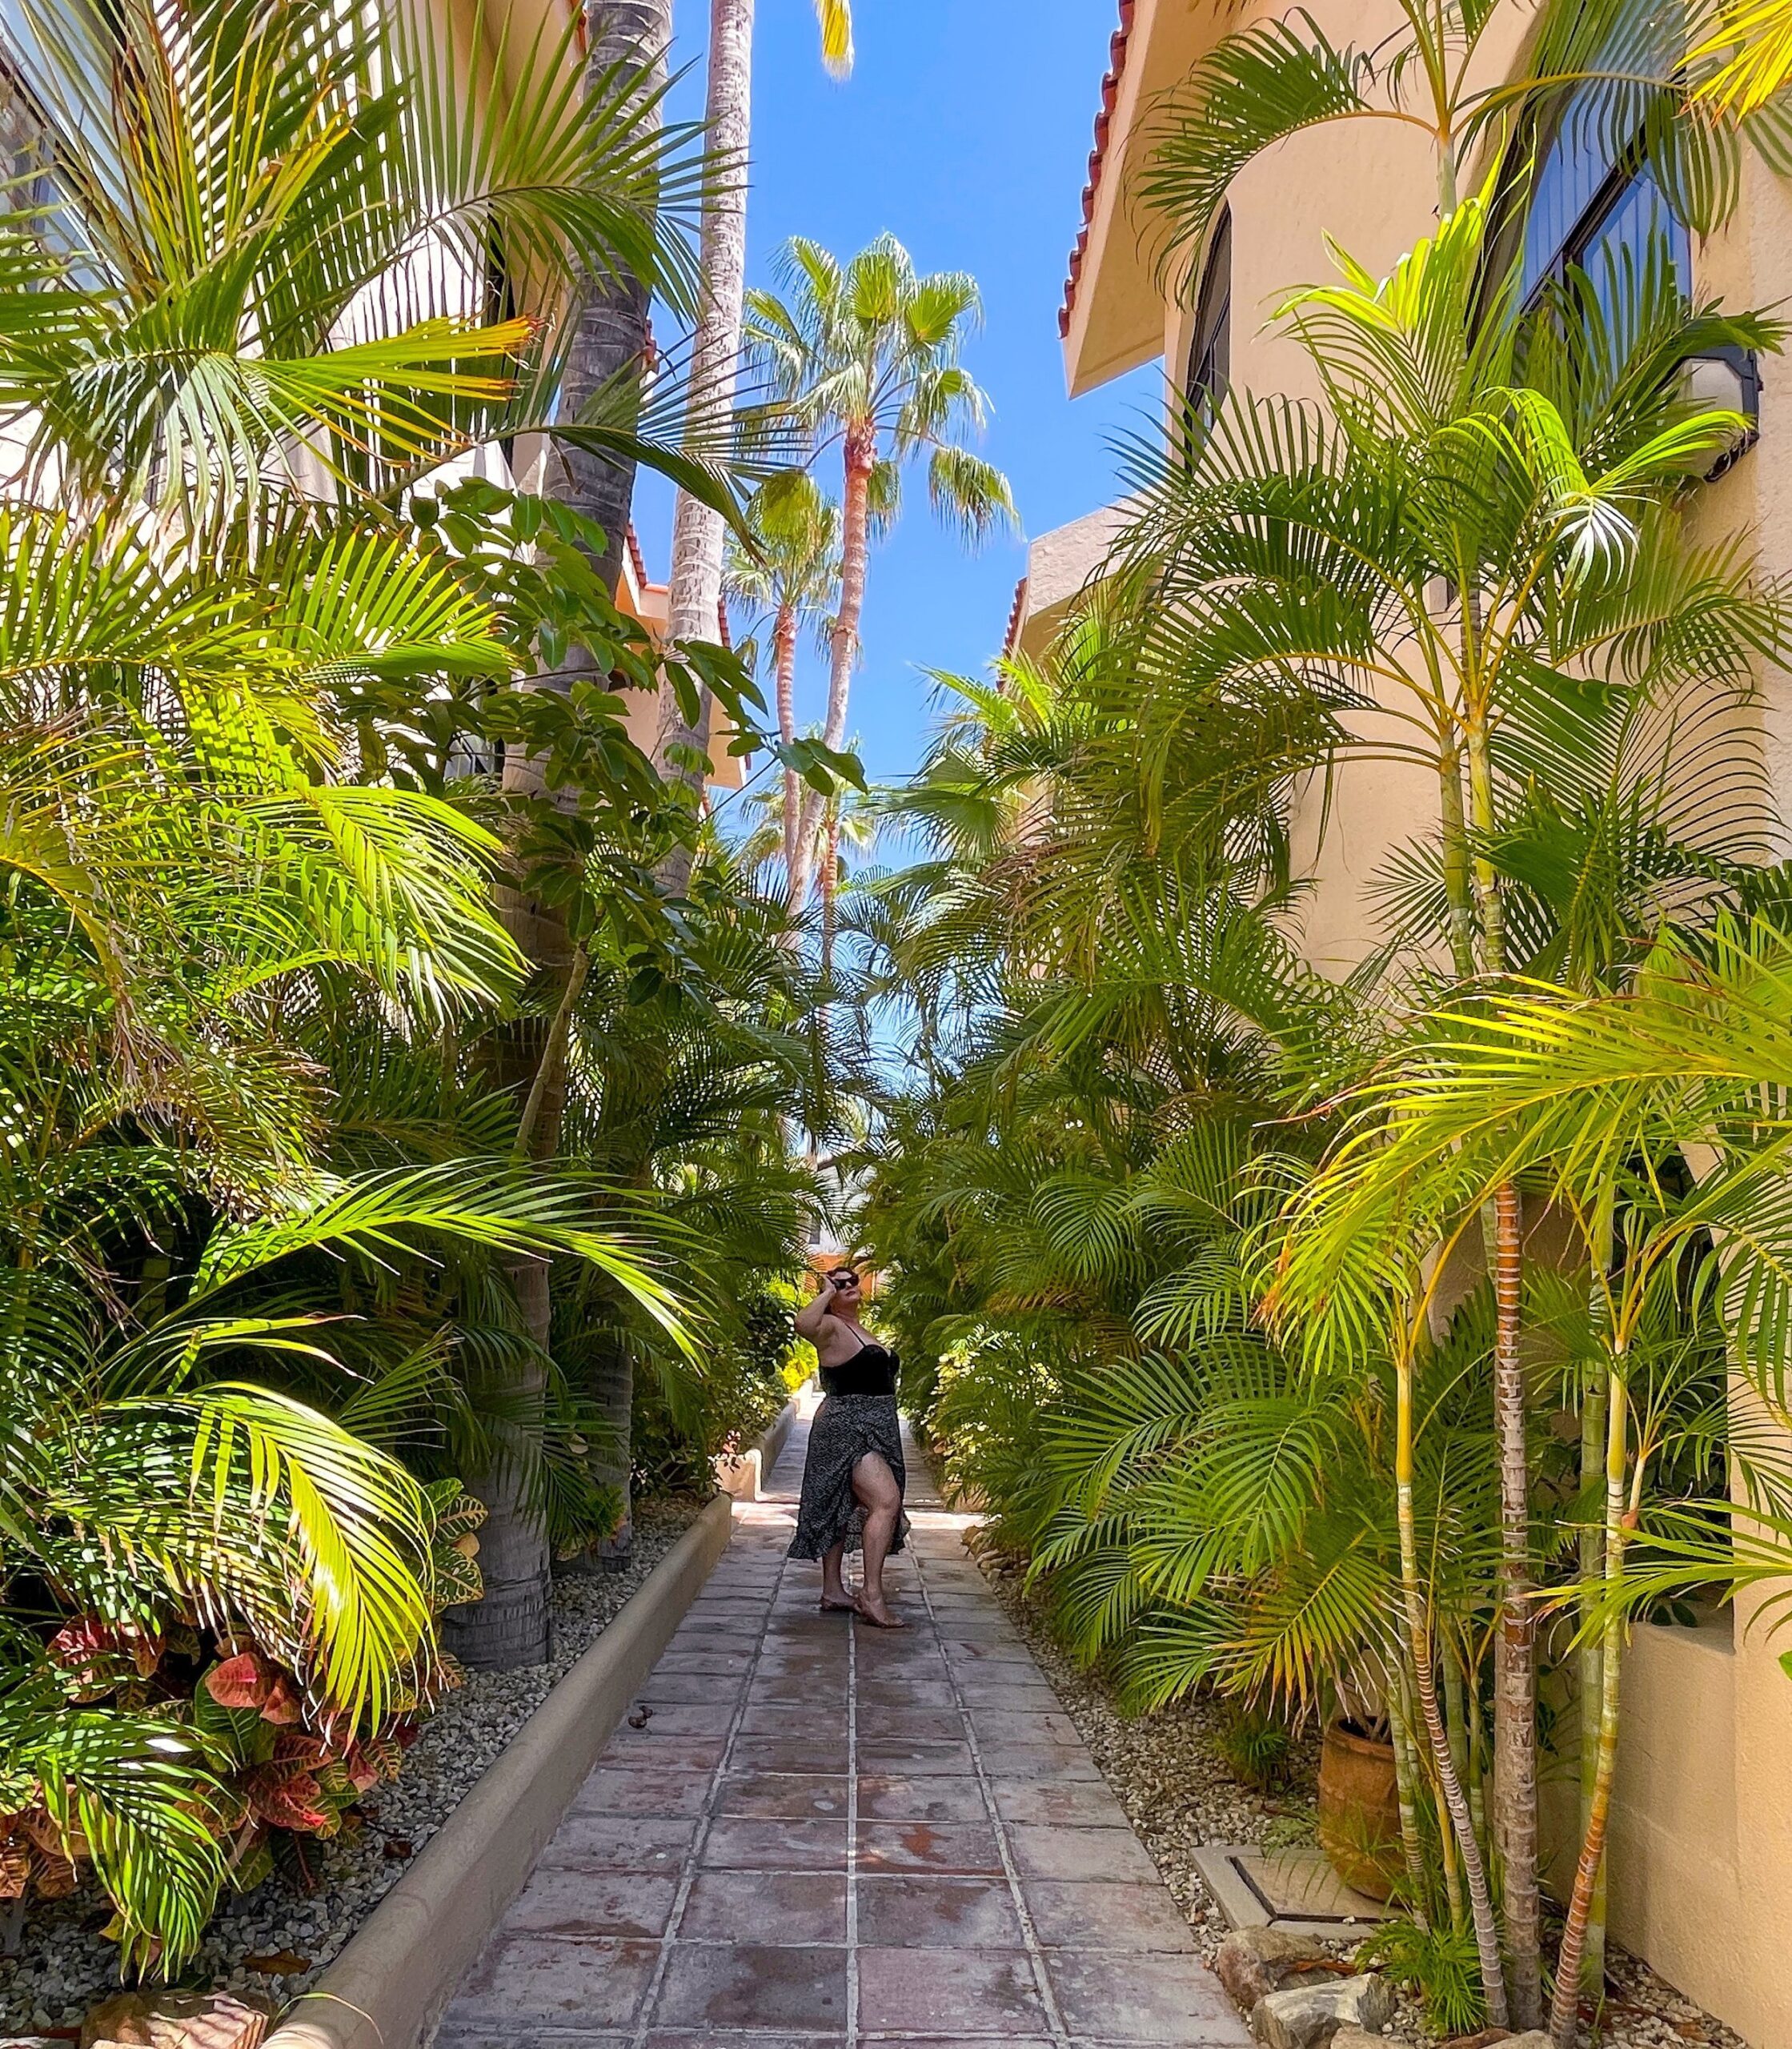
{"type": "Point", "coordinates": [1210, 349]}
{"type": "Point", "coordinates": [1601, 210]}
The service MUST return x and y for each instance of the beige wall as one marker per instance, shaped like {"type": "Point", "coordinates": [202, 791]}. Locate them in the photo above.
{"type": "Point", "coordinates": [1701, 1852]}
{"type": "Point", "coordinates": [646, 601]}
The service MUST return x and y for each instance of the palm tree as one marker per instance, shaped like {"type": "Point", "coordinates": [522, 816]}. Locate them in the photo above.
{"type": "Point", "coordinates": [792, 572]}
{"type": "Point", "coordinates": [1188, 674]}
{"type": "Point", "coordinates": [335, 363]}
{"type": "Point", "coordinates": [1742, 58]}
{"type": "Point", "coordinates": [698, 538]}
{"type": "Point", "coordinates": [1521, 459]}
{"type": "Point", "coordinates": [1621, 68]}
{"type": "Point", "coordinates": [1573, 1093]}
{"type": "Point", "coordinates": [339, 370]}
{"type": "Point", "coordinates": [185, 874]}
{"type": "Point", "coordinates": [866, 354]}
{"type": "Point", "coordinates": [688, 1060]}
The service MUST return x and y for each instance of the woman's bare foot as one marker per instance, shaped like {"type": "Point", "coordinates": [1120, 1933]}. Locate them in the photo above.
{"type": "Point", "coordinates": [877, 1614]}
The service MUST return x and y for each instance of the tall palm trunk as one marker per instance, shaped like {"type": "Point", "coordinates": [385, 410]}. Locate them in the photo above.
{"type": "Point", "coordinates": [1515, 1759]}
{"type": "Point", "coordinates": [830, 881]}
{"type": "Point", "coordinates": [1589, 1870]}
{"type": "Point", "coordinates": [698, 532]}
{"type": "Point", "coordinates": [860, 457]}
{"type": "Point", "coordinates": [616, 336]}
{"type": "Point", "coordinates": [1515, 1645]}
{"type": "Point", "coordinates": [613, 335]}
{"type": "Point", "coordinates": [509, 1626]}
{"type": "Point", "coordinates": [783, 646]}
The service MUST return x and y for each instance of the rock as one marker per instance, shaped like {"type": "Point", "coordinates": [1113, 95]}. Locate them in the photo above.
{"type": "Point", "coordinates": [175, 2020]}
{"type": "Point", "coordinates": [1360, 2037]}
{"type": "Point", "coordinates": [1308, 2016]}
{"type": "Point", "coordinates": [1255, 1961]}
{"type": "Point", "coordinates": [123, 2018]}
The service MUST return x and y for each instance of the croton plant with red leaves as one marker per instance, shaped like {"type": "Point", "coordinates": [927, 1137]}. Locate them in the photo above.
{"type": "Point", "coordinates": [271, 1777]}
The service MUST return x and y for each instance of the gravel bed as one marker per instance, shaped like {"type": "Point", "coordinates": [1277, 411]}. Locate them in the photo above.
{"type": "Point", "coordinates": [64, 1966]}
{"type": "Point", "coordinates": [1167, 1772]}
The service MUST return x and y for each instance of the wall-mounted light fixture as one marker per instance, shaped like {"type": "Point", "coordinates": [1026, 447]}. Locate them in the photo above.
{"type": "Point", "coordinates": [1728, 379]}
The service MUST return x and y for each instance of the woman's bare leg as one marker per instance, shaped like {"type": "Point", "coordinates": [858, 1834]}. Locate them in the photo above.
{"type": "Point", "coordinates": [875, 1485]}
{"type": "Point", "coordinates": [833, 1581]}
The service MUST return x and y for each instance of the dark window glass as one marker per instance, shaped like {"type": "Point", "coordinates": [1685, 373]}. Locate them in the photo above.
{"type": "Point", "coordinates": [1210, 350]}
{"type": "Point", "coordinates": [1599, 210]}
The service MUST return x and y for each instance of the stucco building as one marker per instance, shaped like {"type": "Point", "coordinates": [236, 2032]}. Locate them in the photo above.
{"type": "Point", "coordinates": [1701, 1854]}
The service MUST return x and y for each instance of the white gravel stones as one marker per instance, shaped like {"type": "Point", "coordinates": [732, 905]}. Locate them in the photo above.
{"type": "Point", "coordinates": [1167, 1773]}
{"type": "Point", "coordinates": [63, 1965]}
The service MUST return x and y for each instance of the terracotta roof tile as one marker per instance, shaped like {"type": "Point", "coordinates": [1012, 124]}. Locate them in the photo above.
{"type": "Point", "coordinates": [1098, 157]}
{"type": "Point", "coordinates": [1015, 612]}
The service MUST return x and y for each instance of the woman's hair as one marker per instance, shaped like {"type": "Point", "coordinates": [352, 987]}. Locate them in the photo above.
{"type": "Point", "coordinates": [833, 1273]}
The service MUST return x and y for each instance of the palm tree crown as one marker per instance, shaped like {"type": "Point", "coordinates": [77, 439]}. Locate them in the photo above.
{"type": "Point", "coordinates": [865, 355]}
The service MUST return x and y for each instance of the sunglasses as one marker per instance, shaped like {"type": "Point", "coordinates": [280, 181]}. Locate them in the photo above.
{"type": "Point", "coordinates": [843, 1280]}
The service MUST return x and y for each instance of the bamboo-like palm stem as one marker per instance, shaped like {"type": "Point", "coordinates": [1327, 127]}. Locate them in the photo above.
{"type": "Point", "coordinates": [1489, 896]}
{"type": "Point", "coordinates": [1515, 1765]}
{"type": "Point", "coordinates": [1458, 888]}
{"type": "Point", "coordinates": [1565, 2008]}
{"type": "Point", "coordinates": [1452, 1729]}
{"type": "Point", "coordinates": [1480, 1903]}
{"type": "Point", "coordinates": [1406, 1779]}
{"type": "Point", "coordinates": [1592, 1548]}
{"type": "Point", "coordinates": [1515, 1645]}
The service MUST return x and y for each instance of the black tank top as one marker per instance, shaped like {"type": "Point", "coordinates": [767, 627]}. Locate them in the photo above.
{"type": "Point", "coordinates": [871, 1370]}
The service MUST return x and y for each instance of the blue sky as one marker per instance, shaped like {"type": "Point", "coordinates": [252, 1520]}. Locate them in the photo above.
{"type": "Point", "coordinates": [964, 129]}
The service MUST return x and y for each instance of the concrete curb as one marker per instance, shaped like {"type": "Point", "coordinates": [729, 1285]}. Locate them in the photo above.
{"type": "Point", "coordinates": [390, 1985]}
{"type": "Point", "coordinates": [744, 1478]}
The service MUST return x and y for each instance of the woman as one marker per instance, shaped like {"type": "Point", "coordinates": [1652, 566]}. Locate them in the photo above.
{"type": "Point", "coordinates": [853, 1479]}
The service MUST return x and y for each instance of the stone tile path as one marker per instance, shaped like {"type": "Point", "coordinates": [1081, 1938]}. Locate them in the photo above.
{"type": "Point", "coordinates": [826, 1835]}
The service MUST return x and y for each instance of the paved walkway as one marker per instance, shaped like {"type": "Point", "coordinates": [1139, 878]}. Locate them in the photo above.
{"type": "Point", "coordinates": [826, 1835]}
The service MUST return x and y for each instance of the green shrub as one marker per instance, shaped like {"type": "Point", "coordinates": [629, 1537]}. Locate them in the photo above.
{"type": "Point", "coordinates": [1256, 1750]}
{"type": "Point", "coordinates": [745, 1380]}
{"type": "Point", "coordinates": [1439, 1965]}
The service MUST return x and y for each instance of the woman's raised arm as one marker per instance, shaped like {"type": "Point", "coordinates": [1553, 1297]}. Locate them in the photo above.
{"type": "Point", "coordinates": [813, 1313]}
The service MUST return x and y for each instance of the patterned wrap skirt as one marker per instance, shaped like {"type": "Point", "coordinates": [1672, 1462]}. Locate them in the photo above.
{"type": "Point", "coordinates": [846, 1427]}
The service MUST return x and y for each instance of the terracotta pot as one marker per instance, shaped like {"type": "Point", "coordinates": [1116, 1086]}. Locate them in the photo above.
{"type": "Point", "coordinates": [1359, 1811]}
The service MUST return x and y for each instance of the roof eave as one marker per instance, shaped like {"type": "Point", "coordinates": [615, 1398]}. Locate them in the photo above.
{"type": "Point", "coordinates": [1113, 318]}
